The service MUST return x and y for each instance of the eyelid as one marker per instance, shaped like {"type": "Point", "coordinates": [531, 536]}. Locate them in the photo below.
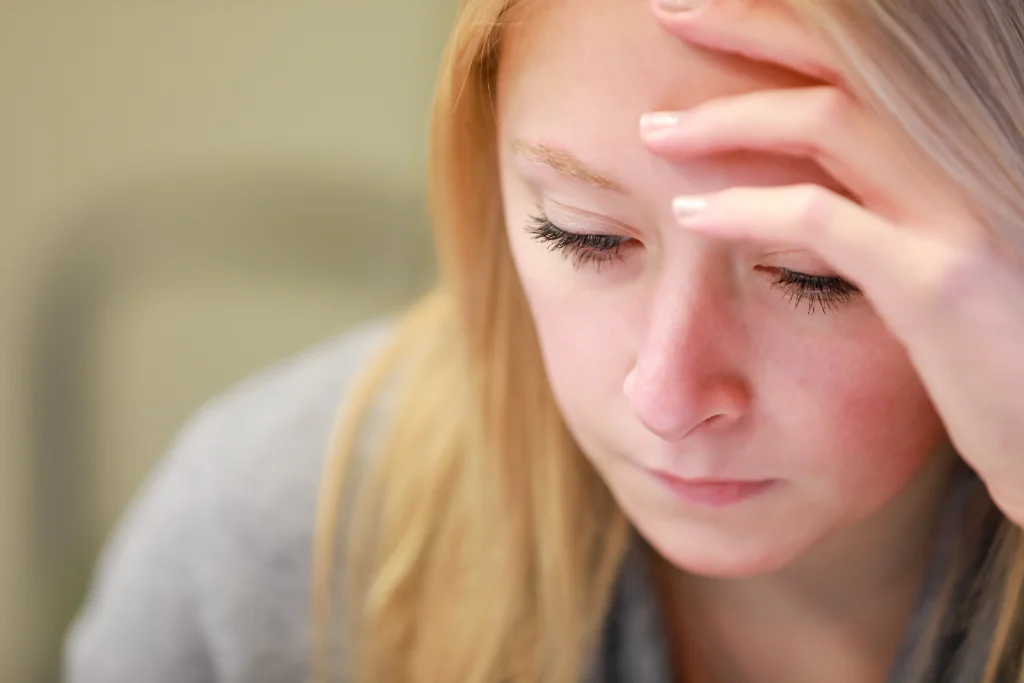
{"type": "Point", "coordinates": [796, 260]}
{"type": "Point", "coordinates": [585, 222]}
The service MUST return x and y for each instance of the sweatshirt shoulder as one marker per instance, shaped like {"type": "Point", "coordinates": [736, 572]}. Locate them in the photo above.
{"type": "Point", "coordinates": [212, 560]}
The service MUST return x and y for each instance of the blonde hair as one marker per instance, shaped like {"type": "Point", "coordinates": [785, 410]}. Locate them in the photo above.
{"type": "Point", "coordinates": [479, 545]}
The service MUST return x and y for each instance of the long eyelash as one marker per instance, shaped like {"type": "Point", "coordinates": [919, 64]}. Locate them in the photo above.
{"type": "Point", "coordinates": [583, 248]}
{"type": "Point", "coordinates": [827, 292]}
{"type": "Point", "coordinates": [824, 292]}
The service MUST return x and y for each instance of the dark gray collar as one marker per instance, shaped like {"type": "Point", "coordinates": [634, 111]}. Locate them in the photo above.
{"type": "Point", "coordinates": [633, 646]}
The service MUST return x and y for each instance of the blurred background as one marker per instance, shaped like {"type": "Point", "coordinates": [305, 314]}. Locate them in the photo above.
{"type": "Point", "coordinates": [188, 192]}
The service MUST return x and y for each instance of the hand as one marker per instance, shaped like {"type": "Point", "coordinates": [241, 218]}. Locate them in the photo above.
{"type": "Point", "coordinates": [911, 243]}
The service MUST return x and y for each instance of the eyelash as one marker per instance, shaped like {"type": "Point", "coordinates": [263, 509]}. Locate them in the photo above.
{"type": "Point", "coordinates": [583, 248]}
{"type": "Point", "coordinates": [825, 292]}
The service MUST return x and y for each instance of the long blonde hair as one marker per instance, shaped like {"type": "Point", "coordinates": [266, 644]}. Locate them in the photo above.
{"type": "Point", "coordinates": [479, 546]}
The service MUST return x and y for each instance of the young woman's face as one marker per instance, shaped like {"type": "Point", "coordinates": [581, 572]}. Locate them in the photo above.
{"type": "Point", "coordinates": [740, 407]}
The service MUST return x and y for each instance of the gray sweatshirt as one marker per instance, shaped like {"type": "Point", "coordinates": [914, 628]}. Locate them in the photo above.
{"type": "Point", "coordinates": [207, 577]}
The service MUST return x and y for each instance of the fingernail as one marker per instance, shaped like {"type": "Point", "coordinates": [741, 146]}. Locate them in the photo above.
{"type": "Point", "coordinates": [680, 5]}
{"type": "Point", "coordinates": [687, 207]}
{"type": "Point", "coordinates": [658, 120]}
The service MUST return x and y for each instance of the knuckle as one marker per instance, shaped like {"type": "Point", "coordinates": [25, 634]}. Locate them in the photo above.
{"type": "Point", "coordinates": [812, 206]}
{"type": "Point", "coordinates": [955, 271]}
{"type": "Point", "coordinates": [831, 111]}
{"type": "Point", "coordinates": [947, 274]}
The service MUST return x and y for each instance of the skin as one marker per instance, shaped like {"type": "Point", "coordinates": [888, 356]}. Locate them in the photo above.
{"type": "Point", "coordinates": [919, 246]}
{"type": "Point", "coordinates": [680, 354]}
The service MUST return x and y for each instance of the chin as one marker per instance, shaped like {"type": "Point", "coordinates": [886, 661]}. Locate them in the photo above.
{"type": "Point", "coordinates": [721, 555]}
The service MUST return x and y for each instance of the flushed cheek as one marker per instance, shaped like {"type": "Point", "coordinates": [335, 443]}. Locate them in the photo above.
{"type": "Point", "coordinates": [893, 433]}
{"type": "Point", "coordinates": [865, 423]}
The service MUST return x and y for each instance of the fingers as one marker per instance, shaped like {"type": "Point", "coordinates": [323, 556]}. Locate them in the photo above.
{"type": "Point", "coordinates": [761, 30]}
{"type": "Point", "coordinates": [895, 268]}
{"type": "Point", "coordinates": [821, 123]}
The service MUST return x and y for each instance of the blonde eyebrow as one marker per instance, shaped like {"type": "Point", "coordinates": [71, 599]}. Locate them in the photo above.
{"type": "Point", "coordinates": [565, 163]}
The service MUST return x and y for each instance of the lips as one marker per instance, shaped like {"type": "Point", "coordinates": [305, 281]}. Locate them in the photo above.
{"type": "Point", "coordinates": [713, 492]}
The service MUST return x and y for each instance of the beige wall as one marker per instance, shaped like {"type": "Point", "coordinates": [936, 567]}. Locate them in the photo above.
{"type": "Point", "coordinates": [101, 101]}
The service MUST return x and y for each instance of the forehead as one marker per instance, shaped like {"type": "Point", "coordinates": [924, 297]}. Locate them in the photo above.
{"type": "Point", "coordinates": [590, 68]}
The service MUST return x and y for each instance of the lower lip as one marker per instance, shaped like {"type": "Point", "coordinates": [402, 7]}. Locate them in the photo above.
{"type": "Point", "coordinates": [713, 493]}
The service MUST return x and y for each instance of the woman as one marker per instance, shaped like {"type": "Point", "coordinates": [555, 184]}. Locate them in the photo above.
{"type": "Point", "coordinates": [732, 398]}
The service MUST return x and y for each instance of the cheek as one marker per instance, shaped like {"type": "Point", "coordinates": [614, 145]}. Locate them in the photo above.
{"type": "Point", "coordinates": [863, 418]}
{"type": "Point", "coordinates": [587, 333]}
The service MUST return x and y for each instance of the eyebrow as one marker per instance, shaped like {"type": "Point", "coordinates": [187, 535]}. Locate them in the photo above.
{"type": "Point", "coordinates": [565, 163]}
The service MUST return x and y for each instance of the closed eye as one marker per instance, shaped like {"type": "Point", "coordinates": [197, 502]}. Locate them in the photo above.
{"type": "Point", "coordinates": [818, 292]}
{"type": "Point", "coordinates": [581, 248]}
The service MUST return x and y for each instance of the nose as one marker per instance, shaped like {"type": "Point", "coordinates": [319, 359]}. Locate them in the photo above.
{"type": "Point", "coordinates": [687, 373]}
